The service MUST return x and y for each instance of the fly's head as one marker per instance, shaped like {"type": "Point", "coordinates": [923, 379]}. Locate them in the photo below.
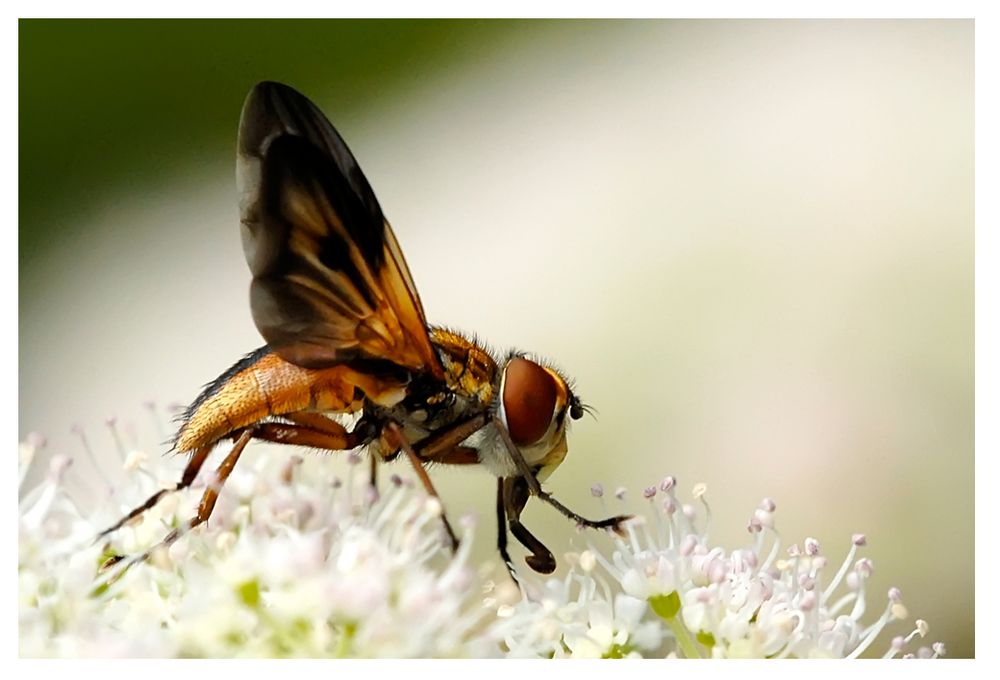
{"type": "Point", "coordinates": [535, 403]}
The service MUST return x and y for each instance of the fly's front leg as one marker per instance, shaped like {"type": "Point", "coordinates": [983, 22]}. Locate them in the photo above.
{"type": "Point", "coordinates": [535, 489]}
{"type": "Point", "coordinates": [512, 496]}
{"type": "Point", "coordinates": [502, 531]}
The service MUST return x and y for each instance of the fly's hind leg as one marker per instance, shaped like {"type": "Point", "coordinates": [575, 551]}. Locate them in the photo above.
{"type": "Point", "coordinates": [314, 430]}
{"type": "Point", "coordinates": [309, 429]}
{"type": "Point", "coordinates": [305, 429]}
{"type": "Point", "coordinates": [318, 431]}
{"type": "Point", "coordinates": [205, 507]}
{"type": "Point", "coordinates": [194, 465]}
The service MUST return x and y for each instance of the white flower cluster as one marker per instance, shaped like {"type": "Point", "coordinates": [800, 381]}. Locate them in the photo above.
{"type": "Point", "coordinates": [292, 563]}
{"type": "Point", "coordinates": [714, 604]}
{"type": "Point", "coordinates": [295, 562]}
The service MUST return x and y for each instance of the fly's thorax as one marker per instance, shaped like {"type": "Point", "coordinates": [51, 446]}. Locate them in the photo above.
{"type": "Point", "coordinates": [427, 409]}
{"type": "Point", "coordinates": [431, 405]}
{"type": "Point", "coordinates": [470, 370]}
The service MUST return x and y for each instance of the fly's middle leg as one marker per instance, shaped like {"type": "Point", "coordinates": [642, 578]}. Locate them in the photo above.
{"type": "Point", "coordinates": [399, 440]}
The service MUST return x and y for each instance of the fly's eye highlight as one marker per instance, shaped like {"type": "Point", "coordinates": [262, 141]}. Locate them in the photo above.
{"type": "Point", "coordinates": [529, 399]}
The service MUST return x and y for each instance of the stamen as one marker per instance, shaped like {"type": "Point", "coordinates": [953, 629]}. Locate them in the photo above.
{"type": "Point", "coordinates": [862, 570]}
{"type": "Point", "coordinates": [78, 431]}
{"type": "Point", "coordinates": [895, 647]}
{"type": "Point", "coordinates": [856, 541]}
{"type": "Point", "coordinates": [112, 423]}
{"type": "Point", "coordinates": [150, 406]}
{"type": "Point", "coordinates": [700, 492]}
{"type": "Point", "coordinates": [868, 636]}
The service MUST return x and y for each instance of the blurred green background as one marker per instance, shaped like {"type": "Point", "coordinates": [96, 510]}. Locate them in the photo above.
{"type": "Point", "coordinates": [751, 243]}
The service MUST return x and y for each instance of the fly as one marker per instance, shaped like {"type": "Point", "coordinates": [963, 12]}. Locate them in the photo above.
{"type": "Point", "coordinates": [346, 334]}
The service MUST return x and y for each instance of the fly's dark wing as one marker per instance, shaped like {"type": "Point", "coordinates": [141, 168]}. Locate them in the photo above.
{"type": "Point", "coordinates": [329, 280]}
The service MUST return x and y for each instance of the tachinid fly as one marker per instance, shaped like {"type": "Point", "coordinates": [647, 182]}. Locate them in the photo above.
{"type": "Point", "coordinates": [346, 334]}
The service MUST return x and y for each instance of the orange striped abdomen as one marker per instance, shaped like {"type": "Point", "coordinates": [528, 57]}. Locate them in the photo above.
{"type": "Point", "coordinates": [262, 384]}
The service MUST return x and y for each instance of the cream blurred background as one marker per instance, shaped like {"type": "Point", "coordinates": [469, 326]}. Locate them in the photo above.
{"type": "Point", "coordinates": [750, 243]}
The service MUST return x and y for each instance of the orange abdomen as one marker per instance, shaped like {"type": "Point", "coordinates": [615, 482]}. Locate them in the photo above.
{"type": "Point", "coordinates": [262, 385]}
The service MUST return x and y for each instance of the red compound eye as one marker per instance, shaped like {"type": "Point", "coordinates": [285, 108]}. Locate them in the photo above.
{"type": "Point", "coordinates": [529, 398]}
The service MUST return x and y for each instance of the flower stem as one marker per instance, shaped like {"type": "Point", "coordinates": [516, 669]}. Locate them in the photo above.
{"type": "Point", "coordinates": [668, 608]}
{"type": "Point", "coordinates": [689, 649]}
{"type": "Point", "coordinates": [344, 643]}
